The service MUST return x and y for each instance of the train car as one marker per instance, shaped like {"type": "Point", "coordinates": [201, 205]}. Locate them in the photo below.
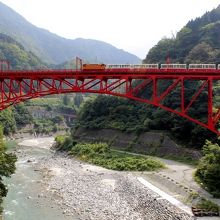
{"type": "Point", "coordinates": [93, 66]}
{"type": "Point", "coordinates": [202, 66]}
{"type": "Point", "coordinates": [132, 66]}
{"type": "Point", "coordinates": [173, 66]}
{"type": "Point", "coordinates": [119, 66]}
{"type": "Point", "coordinates": [145, 66]}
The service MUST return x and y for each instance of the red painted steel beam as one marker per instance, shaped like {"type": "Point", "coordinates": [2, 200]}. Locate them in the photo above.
{"type": "Point", "coordinates": [195, 96]}
{"type": "Point", "coordinates": [210, 104]}
{"type": "Point", "coordinates": [168, 90]}
{"type": "Point", "coordinates": [160, 73]}
{"type": "Point", "coordinates": [182, 95]}
{"type": "Point", "coordinates": [141, 86]}
{"type": "Point", "coordinates": [17, 86]}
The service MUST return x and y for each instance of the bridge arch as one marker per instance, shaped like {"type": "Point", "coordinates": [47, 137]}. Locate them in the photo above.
{"type": "Point", "coordinates": [19, 86]}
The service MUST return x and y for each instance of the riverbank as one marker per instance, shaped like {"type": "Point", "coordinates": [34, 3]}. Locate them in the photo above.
{"type": "Point", "coordinates": [77, 190]}
{"type": "Point", "coordinates": [27, 196]}
{"type": "Point", "coordinates": [96, 193]}
{"type": "Point", "coordinates": [93, 192]}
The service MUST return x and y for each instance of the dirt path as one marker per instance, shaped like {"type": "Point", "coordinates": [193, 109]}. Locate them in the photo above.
{"type": "Point", "coordinates": [177, 180]}
{"type": "Point", "coordinates": [182, 175]}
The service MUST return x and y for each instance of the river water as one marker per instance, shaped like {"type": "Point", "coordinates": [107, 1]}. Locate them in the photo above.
{"type": "Point", "coordinates": [27, 198]}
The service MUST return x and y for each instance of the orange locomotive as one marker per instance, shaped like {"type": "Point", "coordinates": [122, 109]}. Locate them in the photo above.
{"type": "Point", "coordinates": [93, 66]}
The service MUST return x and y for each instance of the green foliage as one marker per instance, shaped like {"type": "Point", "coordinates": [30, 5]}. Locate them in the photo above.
{"type": "Point", "coordinates": [159, 53]}
{"type": "Point", "coordinates": [57, 119]}
{"type": "Point", "coordinates": [131, 116]}
{"type": "Point", "coordinates": [208, 170]}
{"type": "Point", "coordinates": [112, 112]}
{"type": "Point", "coordinates": [207, 205]}
{"type": "Point", "coordinates": [70, 109]}
{"type": "Point", "coordinates": [52, 104]}
{"type": "Point", "coordinates": [66, 99]}
{"type": "Point", "coordinates": [15, 53]}
{"type": "Point", "coordinates": [60, 139]}
{"type": "Point", "coordinates": [7, 121]}
{"type": "Point", "coordinates": [14, 117]}
{"type": "Point", "coordinates": [197, 42]}
{"type": "Point", "coordinates": [45, 126]}
{"type": "Point", "coordinates": [7, 166]}
{"type": "Point", "coordinates": [202, 53]}
{"type": "Point", "coordinates": [64, 143]}
{"type": "Point", "coordinates": [22, 115]}
{"type": "Point", "coordinates": [78, 99]}
{"type": "Point", "coordinates": [45, 102]}
{"type": "Point", "coordinates": [101, 154]}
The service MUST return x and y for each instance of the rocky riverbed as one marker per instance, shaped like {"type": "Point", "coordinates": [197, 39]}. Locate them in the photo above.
{"type": "Point", "coordinates": [93, 192]}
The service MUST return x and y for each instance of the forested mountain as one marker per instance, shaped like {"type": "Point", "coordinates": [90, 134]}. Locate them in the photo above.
{"type": "Point", "coordinates": [55, 49]}
{"type": "Point", "coordinates": [15, 53]}
{"type": "Point", "coordinates": [19, 58]}
{"type": "Point", "coordinates": [197, 42]}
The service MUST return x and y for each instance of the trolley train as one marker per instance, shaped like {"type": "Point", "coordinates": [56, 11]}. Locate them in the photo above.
{"type": "Point", "coordinates": [149, 66]}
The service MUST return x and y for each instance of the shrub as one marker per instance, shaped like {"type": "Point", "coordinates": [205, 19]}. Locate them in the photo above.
{"type": "Point", "coordinates": [101, 154]}
{"type": "Point", "coordinates": [64, 143]}
{"type": "Point", "coordinates": [208, 170]}
{"type": "Point", "coordinates": [207, 205]}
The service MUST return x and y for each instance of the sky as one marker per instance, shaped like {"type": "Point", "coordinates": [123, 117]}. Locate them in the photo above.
{"type": "Point", "coordinates": [132, 25]}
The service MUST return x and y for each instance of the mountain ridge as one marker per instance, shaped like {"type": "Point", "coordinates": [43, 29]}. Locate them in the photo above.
{"type": "Point", "coordinates": [55, 49]}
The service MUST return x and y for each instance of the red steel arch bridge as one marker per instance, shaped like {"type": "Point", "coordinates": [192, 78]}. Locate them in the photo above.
{"type": "Point", "coordinates": [20, 85]}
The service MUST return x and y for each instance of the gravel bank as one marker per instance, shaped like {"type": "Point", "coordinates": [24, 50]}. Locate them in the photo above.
{"type": "Point", "coordinates": [97, 193]}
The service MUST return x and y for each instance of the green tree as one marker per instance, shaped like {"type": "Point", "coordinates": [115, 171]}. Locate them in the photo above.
{"type": "Point", "coordinates": [159, 53]}
{"type": "Point", "coordinates": [7, 120]}
{"type": "Point", "coordinates": [208, 170]}
{"type": "Point", "coordinates": [14, 52]}
{"type": "Point", "coordinates": [201, 53]}
{"type": "Point", "coordinates": [57, 119]}
{"type": "Point", "coordinates": [22, 115]}
{"type": "Point", "coordinates": [78, 99]}
{"type": "Point", "coordinates": [7, 166]}
{"type": "Point", "coordinates": [66, 100]}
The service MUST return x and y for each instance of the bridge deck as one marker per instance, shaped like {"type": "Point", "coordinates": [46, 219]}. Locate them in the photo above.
{"type": "Point", "coordinates": [21, 85]}
{"type": "Point", "coordinates": [113, 73]}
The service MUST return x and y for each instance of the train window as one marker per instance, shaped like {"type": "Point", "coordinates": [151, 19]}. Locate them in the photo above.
{"type": "Point", "coordinates": [202, 66]}
{"type": "Point", "coordinates": [173, 66]}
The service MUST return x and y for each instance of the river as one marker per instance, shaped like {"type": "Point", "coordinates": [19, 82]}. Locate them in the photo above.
{"type": "Point", "coordinates": [27, 197]}
{"type": "Point", "coordinates": [48, 186]}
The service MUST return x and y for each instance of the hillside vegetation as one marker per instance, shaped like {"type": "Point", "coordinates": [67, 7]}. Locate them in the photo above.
{"type": "Point", "coordinates": [208, 171]}
{"type": "Point", "coordinates": [16, 116]}
{"type": "Point", "coordinates": [15, 53]}
{"type": "Point", "coordinates": [197, 42]}
{"type": "Point", "coordinates": [55, 49]}
{"type": "Point", "coordinates": [101, 154]}
{"type": "Point", "coordinates": [7, 168]}
{"type": "Point", "coordinates": [131, 116]}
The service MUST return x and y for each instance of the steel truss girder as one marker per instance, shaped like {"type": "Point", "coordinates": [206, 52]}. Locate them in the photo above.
{"type": "Point", "coordinates": [18, 89]}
